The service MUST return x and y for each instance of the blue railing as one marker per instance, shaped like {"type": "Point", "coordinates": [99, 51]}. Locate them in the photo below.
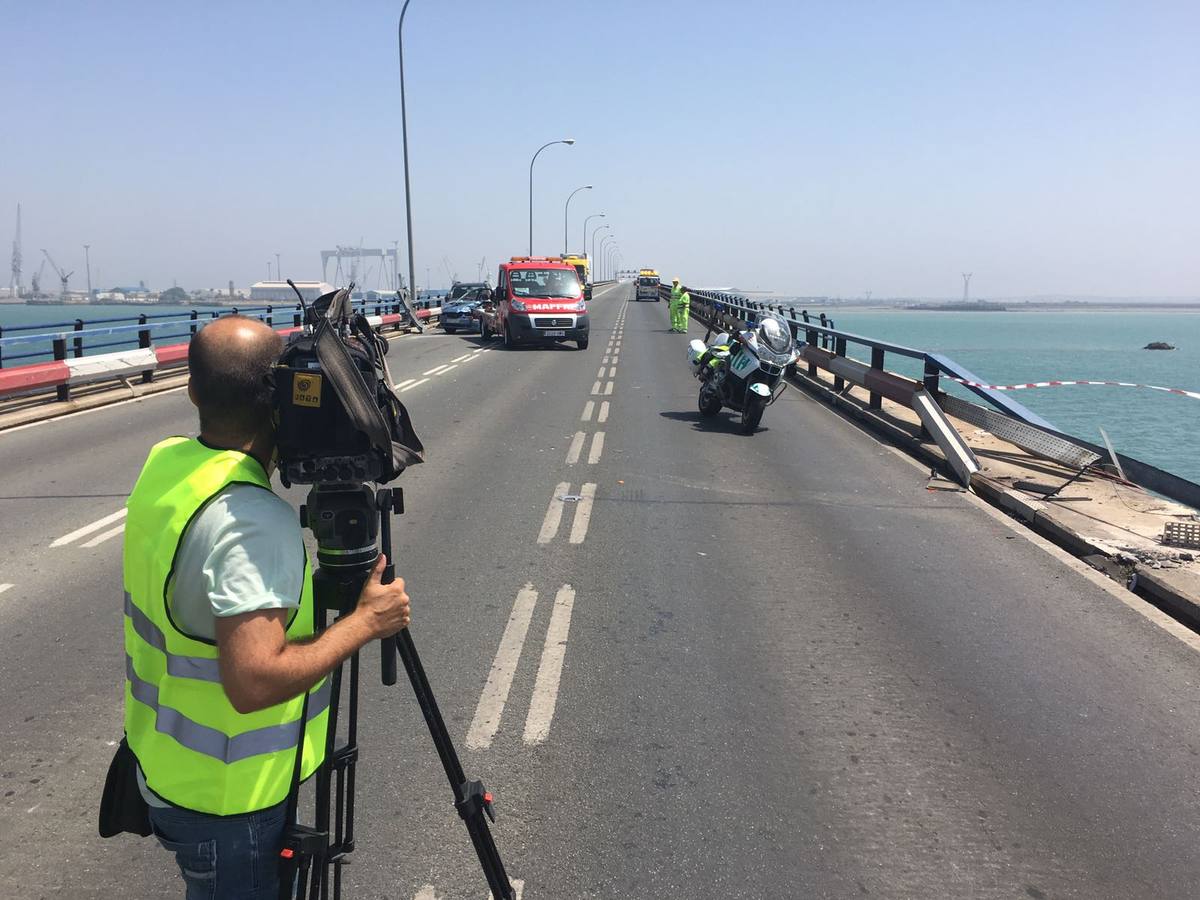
{"type": "Point", "coordinates": [79, 337]}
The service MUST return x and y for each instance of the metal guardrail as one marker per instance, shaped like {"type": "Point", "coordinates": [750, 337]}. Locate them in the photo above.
{"type": "Point", "coordinates": [79, 337]}
{"type": "Point", "coordinates": [821, 332]}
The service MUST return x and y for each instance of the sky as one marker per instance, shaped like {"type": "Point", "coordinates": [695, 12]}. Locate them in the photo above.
{"type": "Point", "coordinates": [806, 148]}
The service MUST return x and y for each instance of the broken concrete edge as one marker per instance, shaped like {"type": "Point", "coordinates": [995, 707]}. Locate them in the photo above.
{"type": "Point", "coordinates": [1139, 578]}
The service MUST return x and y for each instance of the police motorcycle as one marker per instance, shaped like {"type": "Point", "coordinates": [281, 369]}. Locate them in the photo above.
{"type": "Point", "coordinates": [744, 372]}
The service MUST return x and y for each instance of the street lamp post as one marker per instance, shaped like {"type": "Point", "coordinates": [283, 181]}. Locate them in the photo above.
{"type": "Point", "coordinates": [611, 260]}
{"type": "Point", "coordinates": [597, 229]}
{"type": "Point", "coordinates": [592, 262]}
{"type": "Point", "coordinates": [412, 279]}
{"type": "Point", "coordinates": [604, 240]}
{"type": "Point", "coordinates": [278, 270]}
{"type": "Point", "coordinates": [87, 257]}
{"type": "Point", "coordinates": [568, 142]}
{"type": "Point", "coordinates": [566, 208]}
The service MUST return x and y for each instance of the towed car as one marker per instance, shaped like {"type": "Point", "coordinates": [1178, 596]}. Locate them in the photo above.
{"type": "Point", "coordinates": [460, 314]}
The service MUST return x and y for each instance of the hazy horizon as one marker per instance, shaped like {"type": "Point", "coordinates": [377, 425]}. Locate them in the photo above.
{"type": "Point", "coordinates": [798, 148]}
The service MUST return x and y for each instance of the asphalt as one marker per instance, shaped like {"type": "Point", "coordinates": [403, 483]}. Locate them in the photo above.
{"type": "Point", "coordinates": [789, 669]}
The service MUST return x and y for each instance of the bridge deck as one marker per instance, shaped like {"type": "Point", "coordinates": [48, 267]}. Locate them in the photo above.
{"type": "Point", "coordinates": [788, 669]}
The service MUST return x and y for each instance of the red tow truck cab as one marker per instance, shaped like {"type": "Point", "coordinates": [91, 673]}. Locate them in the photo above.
{"type": "Point", "coordinates": [537, 300]}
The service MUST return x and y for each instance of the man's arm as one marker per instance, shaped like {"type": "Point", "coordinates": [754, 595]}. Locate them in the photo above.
{"type": "Point", "coordinates": [260, 667]}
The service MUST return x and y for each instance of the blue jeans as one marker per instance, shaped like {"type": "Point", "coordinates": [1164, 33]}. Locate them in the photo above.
{"type": "Point", "coordinates": [224, 857]}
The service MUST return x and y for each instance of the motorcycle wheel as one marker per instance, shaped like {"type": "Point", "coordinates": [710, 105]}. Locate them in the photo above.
{"type": "Point", "coordinates": [709, 402]}
{"type": "Point", "coordinates": [752, 415]}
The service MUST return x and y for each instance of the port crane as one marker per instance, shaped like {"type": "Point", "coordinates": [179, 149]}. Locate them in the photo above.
{"type": "Point", "coordinates": [62, 276]}
{"type": "Point", "coordinates": [37, 281]}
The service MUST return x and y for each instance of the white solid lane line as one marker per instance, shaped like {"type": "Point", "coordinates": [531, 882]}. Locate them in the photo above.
{"type": "Point", "coordinates": [608, 388]}
{"type": "Point", "coordinates": [401, 384]}
{"type": "Point", "coordinates": [597, 448]}
{"type": "Point", "coordinates": [553, 514]}
{"type": "Point", "coordinates": [587, 411]}
{"type": "Point", "coordinates": [504, 667]}
{"type": "Point", "coordinates": [596, 388]}
{"type": "Point", "coordinates": [88, 529]}
{"type": "Point", "coordinates": [549, 674]}
{"type": "Point", "coordinates": [104, 536]}
{"type": "Point", "coordinates": [413, 385]}
{"type": "Point", "coordinates": [603, 416]}
{"type": "Point", "coordinates": [436, 370]}
{"type": "Point", "coordinates": [583, 514]}
{"type": "Point", "coordinates": [576, 448]}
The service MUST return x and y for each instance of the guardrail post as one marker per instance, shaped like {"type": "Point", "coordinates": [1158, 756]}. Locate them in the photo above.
{"type": "Point", "coordinates": [824, 337]}
{"type": "Point", "coordinates": [931, 376]}
{"type": "Point", "coordinates": [195, 318]}
{"type": "Point", "coordinates": [270, 317]}
{"type": "Point", "coordinates": [876, 401]}
{"type": "Point", "coordinates": [78, 342]}
{"type": "Point", "coordinates": [1, 348]}
{"type": "Point", "coordinates": [839, 349]}
{"type": "Point", "coordinates": [63, 391]}
{"type": "Point", "coordinates": [144, 343]}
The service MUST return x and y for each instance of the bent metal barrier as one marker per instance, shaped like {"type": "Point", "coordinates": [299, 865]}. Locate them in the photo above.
{"type": "Point", "coordinates": [71, 366]}
{"type": "Point", "coordinates": [825, 347]}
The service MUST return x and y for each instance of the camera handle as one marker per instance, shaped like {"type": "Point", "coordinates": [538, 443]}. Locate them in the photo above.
{"type": "Point", "coordinates": [471, 800]}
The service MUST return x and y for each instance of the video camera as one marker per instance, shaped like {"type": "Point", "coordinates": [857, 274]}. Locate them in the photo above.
{"type": "Point", "coordinates": [339, 426]}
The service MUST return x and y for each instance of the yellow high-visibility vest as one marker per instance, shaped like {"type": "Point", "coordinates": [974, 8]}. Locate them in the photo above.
{"type": "Point", "coordinates": [196, 751]}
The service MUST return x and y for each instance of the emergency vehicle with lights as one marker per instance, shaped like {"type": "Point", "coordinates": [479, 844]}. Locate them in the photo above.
{"type": "Point", "coordinates": [537, 300]}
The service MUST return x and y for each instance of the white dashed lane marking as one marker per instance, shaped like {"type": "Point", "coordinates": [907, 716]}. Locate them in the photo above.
{"type": "Point", "coordinates": [603, 416]}
{"type": "Point", "coordinates": [459, 359]}
{"type": "Point", "coordinates": [104, 536]}
{"type": "Point", "coordinates": [413, 385]}
{"type": "Point", "coordinates": [549, 674]}
{"type": "Point", "coordinates": [588, 409]}
{"type": "Point", "coordinates": [608, 388]}
{"type": "Point", "coordinates": [4, 587]}
{"type": "Point", "coordinates": [612, 372]}
{"type": "Point", "coordinates": [583, 514]}
{"type": "Point", "coordinates": [553, 514]}
{"type": "Point", "coordinates": [596, 388]}
{"type": "Point", "coordinates": [436, 370]}
{"type": "Point", "coordinates": [88, 529]}
{"type": "Point", "coordinates": [495, 692]}
{"type": "Point", "coordinates": [597, 448]}
{"type": "Point", "coordinates": [576, 448]}
{"type": "Point", "coordinates": [400, 385]}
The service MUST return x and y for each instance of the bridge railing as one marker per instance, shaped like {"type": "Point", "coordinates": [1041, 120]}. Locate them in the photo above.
{"type": "Point", "coordinates": [832, 345]}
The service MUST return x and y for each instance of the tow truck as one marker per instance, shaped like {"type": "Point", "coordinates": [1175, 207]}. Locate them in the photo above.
{"type": "Point", "coordinates": [537, 300]}
{"type": "Point", "coordinates": [647, 285]}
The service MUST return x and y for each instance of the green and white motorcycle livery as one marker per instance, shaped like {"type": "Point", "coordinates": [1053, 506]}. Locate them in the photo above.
{"type": "Point", "coordinates": [744, 373]}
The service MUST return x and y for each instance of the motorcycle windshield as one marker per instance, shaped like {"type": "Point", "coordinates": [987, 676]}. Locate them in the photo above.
{"type": "Point", "coordinates": [775, 341]}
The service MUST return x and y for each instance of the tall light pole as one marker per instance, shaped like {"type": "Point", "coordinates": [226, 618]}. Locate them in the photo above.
{"type": "Point", "coordinates": [278, 271]}
{"type": "Point", "coordinates": [610, 260]}
{"type": "Point", "coordinates": [269, 278]}
{"type": "Point", "coordinates": [87, 258]}
{"type": "Point", "coordinates": [412, 278]}
{"type": "Point", "coordinates": [568, 142]}
{"type": "Point", "coordinates": [566, 250]}
{"type": "Point", "coordinates": [966, 284]}
{"type": "Point", "coordinates": [585, 223]}
{"type": "Point", "coordinates": [603, 241]}
{"type": "Point", "coordinates": [595, 231]}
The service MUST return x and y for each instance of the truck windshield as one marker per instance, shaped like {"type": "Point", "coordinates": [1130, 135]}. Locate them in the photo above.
{"type": "Point", "coordinates": [646, 280]}
{"type": "Point", "coordinates": [545, 283]}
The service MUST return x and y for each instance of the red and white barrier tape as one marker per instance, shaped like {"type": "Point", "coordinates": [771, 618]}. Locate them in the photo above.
{"type": "Point", "coordinates": [1043, 384]}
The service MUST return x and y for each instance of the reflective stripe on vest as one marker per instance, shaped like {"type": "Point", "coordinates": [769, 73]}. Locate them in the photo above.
{"type": "Point", "coordinates": [195, 749]}
{"type": "Point", "coordinates": [211, 742]}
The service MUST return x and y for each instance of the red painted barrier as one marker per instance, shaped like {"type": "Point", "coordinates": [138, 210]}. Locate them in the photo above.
{"type": "Point", "coordinates": [32, 377]}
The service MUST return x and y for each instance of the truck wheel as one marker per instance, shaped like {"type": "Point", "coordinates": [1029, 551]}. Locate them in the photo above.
{"type": "Point", "coordinates": [582, 343]}
{"type": "Point", "coordinates": [449, 331]}
{"type": "Point", "coordinates": [509, 343]}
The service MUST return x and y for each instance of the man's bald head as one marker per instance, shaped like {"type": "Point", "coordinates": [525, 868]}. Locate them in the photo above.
{"type": "Point", "coordinates": [229, 361]}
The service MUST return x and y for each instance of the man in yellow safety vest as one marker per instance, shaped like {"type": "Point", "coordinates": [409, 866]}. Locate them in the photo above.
{"type": "Point", "coordinates": [220, 660]}
{"type": "Point", "coordinates": [679, 303]}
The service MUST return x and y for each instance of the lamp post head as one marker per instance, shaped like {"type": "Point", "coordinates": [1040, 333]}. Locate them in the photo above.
{"type": "Point", "coordinates": [587, 187]}
{"type": "Point", "coordinates": [568, 141]}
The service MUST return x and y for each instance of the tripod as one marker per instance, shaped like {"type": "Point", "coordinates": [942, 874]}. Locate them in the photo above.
{"type": "Point", "coordinates": [313, 851]}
